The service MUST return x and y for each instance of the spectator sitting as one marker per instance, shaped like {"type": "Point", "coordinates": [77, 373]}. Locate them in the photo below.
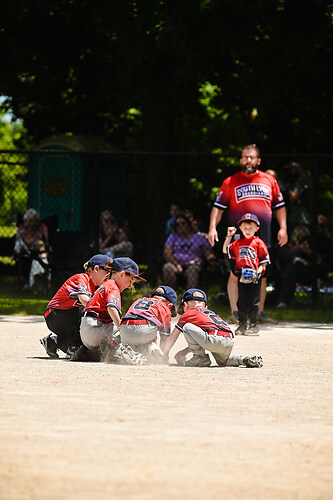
{"type": "Point", "coordinates": [301, 267]}
{"type": "Point", "coordinates": [184, 253]}
{"type": "Point", "coordinates": [31, 247]}
{"type": "Point", "coordinates": [113, 240]}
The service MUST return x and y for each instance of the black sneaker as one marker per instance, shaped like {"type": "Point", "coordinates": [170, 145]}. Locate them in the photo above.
{"type": "Point", "coordinates": [80, 354]}
{"type": "Point", "coordinates": [50, 346]}
{"type": "Point", "coordinates": [241, 329]}
{"type": "Point", "coordinates": [110, 353]}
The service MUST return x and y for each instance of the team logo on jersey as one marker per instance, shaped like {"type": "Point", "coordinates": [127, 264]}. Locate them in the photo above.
{"type": "Point", "coordinates": [252, 191]}
{"type": "Point", "coordinates": [247, 253]}
{"type": "Point", "coordinates": [114, 301]}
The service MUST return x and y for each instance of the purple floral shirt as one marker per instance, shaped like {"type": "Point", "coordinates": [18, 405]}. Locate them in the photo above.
{"type": "Point", "coordinates": [188, 249]}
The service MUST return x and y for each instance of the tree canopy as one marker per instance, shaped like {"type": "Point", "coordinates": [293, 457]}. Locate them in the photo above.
{"type": "Point", "coordinates": [165, 75]}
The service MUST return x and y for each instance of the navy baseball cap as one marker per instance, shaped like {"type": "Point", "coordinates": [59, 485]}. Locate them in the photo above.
{"type": "Point", "coordinates": [100, 260]}
{"type": "Point", "coordinates": [128, 265]}
{"type": "Point", "coordinates": [194, 294]}
{"type": "Point", "coordinates": [167, 292]}
{"type": "Point", "coordinates": [249, 218]}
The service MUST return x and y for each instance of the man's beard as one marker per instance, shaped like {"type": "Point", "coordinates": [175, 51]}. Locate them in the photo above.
{"type": "Point", "coordinates": [249, 169]}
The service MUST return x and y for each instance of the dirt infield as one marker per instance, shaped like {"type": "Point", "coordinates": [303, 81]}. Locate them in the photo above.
{"type": "Point", "coordinates": [99, 431]}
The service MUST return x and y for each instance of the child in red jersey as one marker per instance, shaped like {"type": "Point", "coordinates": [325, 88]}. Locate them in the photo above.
{"type": "Point", "coordinates": [102, 314]}
{"type": "Point", "coordinates": [204, 330]}
{"type": "Point", "coordinates": [145, 318]}
{"type": "Point", "coordinates": [63, 312]}
{"type": "Point", "coordinates": [248, 252]}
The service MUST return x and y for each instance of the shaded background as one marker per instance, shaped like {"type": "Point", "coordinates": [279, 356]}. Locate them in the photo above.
{"type": "Point", "coordinates": [149, 103]}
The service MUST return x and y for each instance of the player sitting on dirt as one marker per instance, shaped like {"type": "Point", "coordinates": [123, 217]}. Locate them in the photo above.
{"type": "Point", "coordinates": [205, 331]}
{"type": "Point", "coordinates": [145, 318]}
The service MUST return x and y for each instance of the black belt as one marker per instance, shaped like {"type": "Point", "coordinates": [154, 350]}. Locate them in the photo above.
{"type": "Point", "coordinates": [90, 314]}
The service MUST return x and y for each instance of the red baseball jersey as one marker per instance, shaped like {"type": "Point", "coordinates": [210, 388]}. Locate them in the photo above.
{"type": "Point", "coordinates": [67, 295]}
{"type": "Point", "coordinates": [203, 318]}
{"type": "Point", "coordinates": [153, 309]}
{"type": "Point", "coordinates": [257, 194]}
{"type": "Point", "coordinates": [106, 295]}
{"type": "Point", "coordinates": [248, 252]}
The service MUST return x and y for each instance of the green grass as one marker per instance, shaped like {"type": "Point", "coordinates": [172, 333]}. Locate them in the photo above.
{"type": "Point", "coordinates": [8, 231]}
{"type": "Point", "coordinates": [16, 301]}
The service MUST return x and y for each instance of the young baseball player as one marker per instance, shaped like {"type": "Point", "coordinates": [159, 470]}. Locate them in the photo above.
{"type": "Point", "coordinates": [145, 318]}
{"type": "Point", "coordinates": [251, 257]}
{"type": "Point", "coordinates": [204, 330]}
{"type": "Point", "coordinates": [63, 312]}
{"type": "Point", "coordinates": [102, 314]}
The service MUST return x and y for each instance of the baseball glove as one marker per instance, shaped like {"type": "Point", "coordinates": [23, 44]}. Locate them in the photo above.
{"type": "Point", "coordinates": [249, 276]}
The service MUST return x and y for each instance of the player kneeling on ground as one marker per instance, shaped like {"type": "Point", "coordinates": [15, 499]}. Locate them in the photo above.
{"type": "Point", "coordinates": [101, 319]}
{"type": "Point", "coordinates": [64, 311]}
{"type": "Point", "coordinates": [145, 318]}
{"type": "Point", "coordinates": [205, 331]}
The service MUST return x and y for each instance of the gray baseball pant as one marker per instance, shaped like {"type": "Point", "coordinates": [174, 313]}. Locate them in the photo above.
{"type": "Point", "coordinates": [94, 331]}
{"type": "Point", "coordinates": [200, 341]}
{"type": "Point", "coordinates": [138, 334]}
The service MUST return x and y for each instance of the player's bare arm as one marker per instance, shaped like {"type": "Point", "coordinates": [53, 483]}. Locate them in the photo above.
{"type": "Point", "coordinates": [281, 217]}
{"type": "Point", "coordinates": [114, 315]}
{"type": "Point", "coordinates": [230, 232]}
{"type": "Point", "coordinates": [215, 217]}
{"type": "Point", "coordinates": [83, 299]}
{"type": "Point", "coordinates": [171, 341]}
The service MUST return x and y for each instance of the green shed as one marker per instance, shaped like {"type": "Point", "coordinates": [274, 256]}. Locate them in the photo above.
{"type": "Point", "coordinates": [70, 178]}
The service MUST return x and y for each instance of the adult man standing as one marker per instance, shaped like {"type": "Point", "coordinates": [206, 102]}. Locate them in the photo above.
{"type": "Point", "coordinates": [253, 191]}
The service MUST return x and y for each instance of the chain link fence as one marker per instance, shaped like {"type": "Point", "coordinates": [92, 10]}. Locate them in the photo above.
{"type": "Point", "coordinates": [70, 190]}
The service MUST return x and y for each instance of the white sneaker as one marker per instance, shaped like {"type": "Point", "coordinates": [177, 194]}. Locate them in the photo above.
{"type": "Point", "coordinates": [253, 361]}
{"type": "Point", "coordinates": [252, 331]}
{"type": "Point", "coordinates": [133, 357]}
